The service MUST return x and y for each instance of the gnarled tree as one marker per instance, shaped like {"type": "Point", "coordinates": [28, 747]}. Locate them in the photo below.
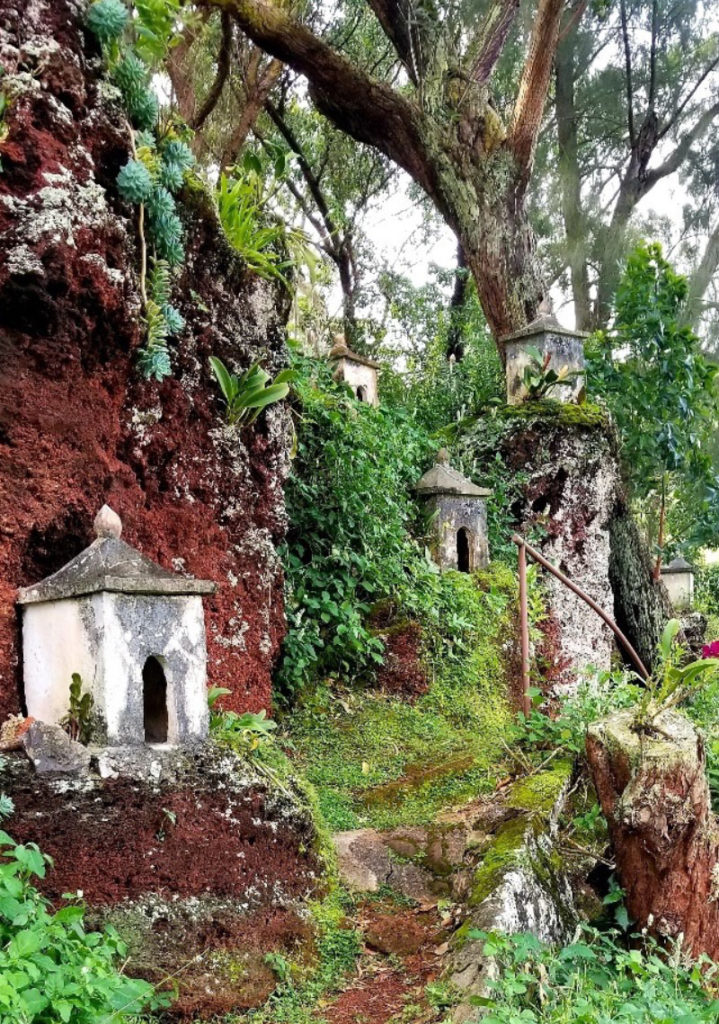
{"type": "Point", "coordinates": [446, 124]}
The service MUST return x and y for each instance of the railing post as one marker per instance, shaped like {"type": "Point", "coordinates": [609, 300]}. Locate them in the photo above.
{"type": "Point", "coordinates": [524, 628]}
{"type": "Point", "coordinates": [525, 549]}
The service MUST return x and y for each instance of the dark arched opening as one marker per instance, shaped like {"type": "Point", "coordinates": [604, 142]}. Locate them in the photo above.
{"type": "Point", "coordinates": [154, 696]}
{"type": "Point", "coordinates": [463, 550]}
{"type": "Point", "coordinates": [362, 393]}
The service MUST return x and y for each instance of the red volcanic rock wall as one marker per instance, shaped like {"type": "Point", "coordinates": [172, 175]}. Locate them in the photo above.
{"type": "Point", "coordinates": [78, 425]}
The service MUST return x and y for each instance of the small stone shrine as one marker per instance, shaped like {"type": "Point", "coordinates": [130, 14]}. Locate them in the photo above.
{"type": "Point", "coordinates": [678, 578]}
{"type": "Point", "coordinates": [565, 348]}
{"type": "Point", "coordinates": [356, 370]}
{"type": "Point", "coordinates": [133, 632]}
{"type": "Point", "coordinates": [458, 516]}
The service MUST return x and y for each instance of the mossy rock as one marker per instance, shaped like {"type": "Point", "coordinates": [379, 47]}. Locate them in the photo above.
{"type": "Point", "coordinates": [534, 799]}
{"type": "Point", "coordinates": [566, 414]}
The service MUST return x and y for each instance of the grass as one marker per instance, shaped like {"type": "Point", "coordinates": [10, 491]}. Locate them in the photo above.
{"type": "Point", "coordinates": [380, 761]}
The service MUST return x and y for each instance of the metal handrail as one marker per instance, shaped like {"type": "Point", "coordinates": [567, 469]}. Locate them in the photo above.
{"type": "Point", "coordinates": [524, 549]}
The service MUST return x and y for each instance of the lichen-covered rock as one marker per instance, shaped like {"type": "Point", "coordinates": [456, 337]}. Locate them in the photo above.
{"type": "Point", "coordinates": [519, 884]}
{"type": "Point", "coordinates": [202, 862]}
{"type": "Point", "coordinates": [573, 504]}
{"type": "Point", "coordinates": [53, 752]}
{"type": "Point", "coordinates": [79, 426]}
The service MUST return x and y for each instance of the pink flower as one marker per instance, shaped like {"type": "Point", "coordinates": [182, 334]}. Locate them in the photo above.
{"type": "Point", "coordinates": [711, 650]}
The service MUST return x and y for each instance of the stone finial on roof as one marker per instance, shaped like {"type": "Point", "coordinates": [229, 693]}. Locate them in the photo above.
{"type": "Point", "coordinates": [341, 350]}
{"type": "Point", "coordinates": [107, 523]}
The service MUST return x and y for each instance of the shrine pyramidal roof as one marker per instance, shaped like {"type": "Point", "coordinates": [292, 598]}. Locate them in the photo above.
{"type": "Point", "coordinates": [110, 565]}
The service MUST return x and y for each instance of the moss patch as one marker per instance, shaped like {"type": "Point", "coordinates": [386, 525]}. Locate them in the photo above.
{"type": "Point", "coordinates": [377, 760]}
{"type": "Point", "coordinates": [539, 793]}
{"type": "Point", "coordinates": [564, 413]}
{"type": "Point", "coordinates": [503, 852]}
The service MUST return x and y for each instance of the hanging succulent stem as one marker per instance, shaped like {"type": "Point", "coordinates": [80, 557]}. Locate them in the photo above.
{"type": "Point", "coordinates": [143, 256]}
{"type": "Point", "coordinates": [141, 232]}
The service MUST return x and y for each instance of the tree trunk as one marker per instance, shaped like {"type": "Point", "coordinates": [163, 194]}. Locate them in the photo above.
{"type": "Point", "coordinates": [654, 792]}
{"type": "Point", "coordinates": [570, 179]}
{"type": "Point", "coordinates": [484, 205]}
{"type": "Point", "coordinates": [700, 280]}
{"type": "Point", "coordinates": [455, 341]}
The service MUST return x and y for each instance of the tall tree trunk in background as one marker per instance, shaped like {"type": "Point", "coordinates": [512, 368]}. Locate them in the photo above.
{"type": "Point", "coordinates": [653, 790]}
{"type": "Point", "coordinates": [570, 179]}
{"type": "Point", "coordinates": [473, 167]}
{"type": "Point", "coordinates": [700, 280]}
{"type": "Point", "coordinates": [455, 341]}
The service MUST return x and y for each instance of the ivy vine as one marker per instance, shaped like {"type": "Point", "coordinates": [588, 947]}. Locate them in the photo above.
{"type": "Point", "coordinates": [156, 170]}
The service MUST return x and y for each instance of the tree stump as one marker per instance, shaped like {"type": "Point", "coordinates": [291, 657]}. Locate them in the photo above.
{"type": "Point", "coordinates": [654, 792]}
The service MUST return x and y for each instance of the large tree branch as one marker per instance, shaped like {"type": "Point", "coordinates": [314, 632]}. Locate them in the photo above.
{"type": "Point", "coordinates": [223, 70]}
{"type": "Point", "coordinates": [395, 17]}
{"type": "Point", "coordinates": [534, 84]}
{"type": "Point", "coordinates": [307, 173]}
{"type": "Point", "coordinates": [628, 73]}
{"type": "Point", "coordinates": [681, 107]}
{"type": "Point", "coordinates": [675, 159]}
{"type": "Point", "coordinates": [259, 82]}
{"type": "Point", "coordinates": [366, 109]}
{"type": "Point", "coordinates": [492, 37]}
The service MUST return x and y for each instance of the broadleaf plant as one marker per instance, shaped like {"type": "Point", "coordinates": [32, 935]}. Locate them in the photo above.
{"type": "Point", "coordinates": [249, 393]}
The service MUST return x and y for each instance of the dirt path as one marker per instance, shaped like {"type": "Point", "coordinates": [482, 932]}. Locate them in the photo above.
{"type": "Point", "coordinates": [404, 949]}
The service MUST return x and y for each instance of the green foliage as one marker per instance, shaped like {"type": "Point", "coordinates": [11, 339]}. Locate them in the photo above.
{"type": "Point", "coordinates": [245, 732]}
{"type": "Point", "coordinates": [247, 395]}
{"type": "Point", "coordinates": [77, 722]}
{"type": "Point", "coordinates": [107, 19]}
{"type": "Point", "coordinates": [350, 510]}
{"type": "Point", "coordinates": [661, 390]}
{"type": "Point", "coordinates": [599, 694]}
{"type": "Point", "coordinates": [158, 26]}
{"type": "Point", "coordinates": [706, 590]}
{"type": "Point", "coordinates": [433, 388]}
{"type": "Point", "coordinates": [162, 320]}
{"type": "Point", "coordinates": [159, 164]}
{"type": "Point", "coordinates": [539, 379]}
{"type": "Point", "coordinates": [596, 979]}
{"type": "Point", "coordinates": [51, 970]}
{"type": "Point", "coordinates": [242, 205]}
{"type": "Point", "coordinates": [132, 77]}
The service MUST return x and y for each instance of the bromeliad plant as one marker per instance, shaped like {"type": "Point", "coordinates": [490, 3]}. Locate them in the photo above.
{"type": "Point", "coordinates": [76, 722]}
{"type": "Point", "coordinates": [539, 379]}
{"type": "Point", "coordinates": [247, 395]}
{"type": "Point", "coordinates": [672, 683]}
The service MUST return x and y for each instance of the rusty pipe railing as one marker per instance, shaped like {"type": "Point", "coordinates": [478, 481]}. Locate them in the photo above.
{"type": "Point", "coordinates": [524, 549]}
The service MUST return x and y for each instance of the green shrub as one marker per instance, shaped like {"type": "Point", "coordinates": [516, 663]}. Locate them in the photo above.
{"type": "Point", "coordinates": [595, 980]}
{"type": "Point", "coordinates": [350, 508]}
{"type": "Point", "coordinates": [51, 970]}
{"type": "Point", "coordinates": [706, 583]}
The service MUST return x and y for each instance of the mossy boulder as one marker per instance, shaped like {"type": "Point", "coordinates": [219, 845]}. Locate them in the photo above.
{"type": "Point", "coordinates": [519, 885]}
